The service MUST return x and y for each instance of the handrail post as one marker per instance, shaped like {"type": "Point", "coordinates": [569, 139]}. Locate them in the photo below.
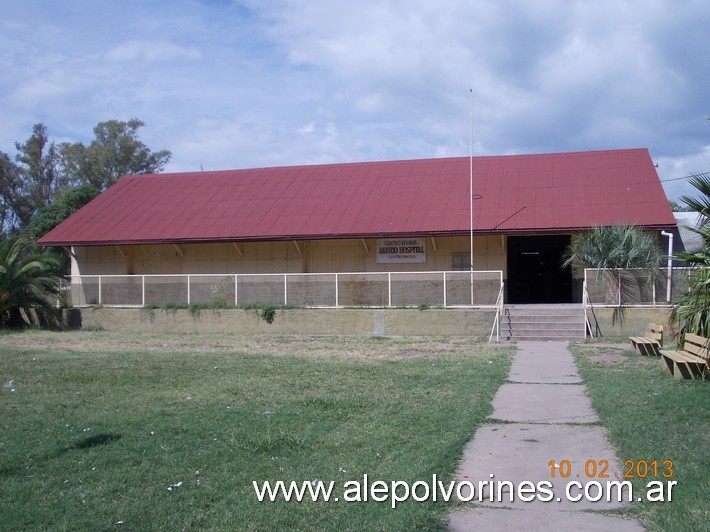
{"type": "Point", "coordinates": [236, 298]}
{"type": "Point", "coordinates": [584, 303]}
{"type": "Point", "coordinates": [389, 289]}
{"type": "Point", "coordinates": [188, 288]}
{"type": "Point", "coordinates": [285, 289]}
{"type": "Point", "coordinates": [472, 285]}
{"type": "Point", "coordinates": [337, 300]}
{"type": "Point", "coordinates": [100, 298]}
{"type": "Point", "coordinates": [497, 318]}
{"type": "Point", "coordinates": [143, 290]}
{"type": "Point", "coordinates": [444, 274]}
{"type": "Point", "coordinates": [619, 273]}
{"type": "Point", "coordinates": [500, 309]}
{"type": "Point", "coordinates": [654, 294]}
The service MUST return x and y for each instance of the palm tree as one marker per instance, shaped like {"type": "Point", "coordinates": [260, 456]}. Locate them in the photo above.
{"type": "Point", "coordinates": [691, 311]}
{"type": "Point", "coordinates": [700, 205]}
{"type": "Point", "coordinates": [29, 283]}
{"type": "Point", "coordinates": [627, 259]}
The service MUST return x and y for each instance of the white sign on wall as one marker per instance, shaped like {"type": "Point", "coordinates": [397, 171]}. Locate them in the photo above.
{"type": "Point", "coordinates": [401, 250]}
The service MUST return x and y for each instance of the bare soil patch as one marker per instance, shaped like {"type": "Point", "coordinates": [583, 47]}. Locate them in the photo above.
{"type": "Point", "coordinates": [608, 358]}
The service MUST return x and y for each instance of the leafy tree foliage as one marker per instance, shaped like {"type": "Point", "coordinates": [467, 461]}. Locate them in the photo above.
{"type": "Point", "coordinates": [628, 260]}
{"type": "Point", "coordinates": [48, 217]}
{"type": "Point", "coordinates": [43, 172]}
{"type": "Point", "coordinates": [115, 152]}
{"type": "Point", "coordinates": [38, 162]}
{"type": "Point", "coordinates": [692, 311]}
{"type": "Point", "coordinates": [617, 246]}
{"type": "Point", "coordinates": [32, 181]}
{"type": "Point", "coordinates": [11, 200]}
{"type": "Point", "coordinates": [29, 283]}
{"type": "Point", "coordinates": [700, 205]}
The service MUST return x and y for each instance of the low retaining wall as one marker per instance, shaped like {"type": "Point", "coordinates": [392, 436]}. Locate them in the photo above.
{"type": "Point", "coordinates": [634, 321]}
{"type": "Point", "coordinates": [371, 322]}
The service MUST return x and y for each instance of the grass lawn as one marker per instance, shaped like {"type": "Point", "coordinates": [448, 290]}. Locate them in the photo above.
{"type": "Point", "coordinates": [650, 416]}
{"type": "Point", "coordinates": [99, 425]}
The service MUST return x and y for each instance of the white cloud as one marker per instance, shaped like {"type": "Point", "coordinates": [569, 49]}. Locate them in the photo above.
{"type": "Point", "coordinates": [146, 50]}
{"type": "Point", "coordinates": [673, 169]}
{"type": "Point", "coordinates": [306, 129]}
{"type": "Point", "coordinates": [264, 82]}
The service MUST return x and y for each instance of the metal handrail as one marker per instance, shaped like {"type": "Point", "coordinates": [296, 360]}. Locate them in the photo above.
{"type": "Point", "coordinates": [499, 312]}
{"type": "Point", "coordinates": [587, 303]}
{"type": "Point", "coordinates": [292, 274]}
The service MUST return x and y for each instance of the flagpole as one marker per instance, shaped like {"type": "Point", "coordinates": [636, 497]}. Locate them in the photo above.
{"type": "Point", "coordinates": [470, 177]}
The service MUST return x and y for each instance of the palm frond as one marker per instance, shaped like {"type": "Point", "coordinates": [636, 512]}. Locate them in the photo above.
{"type": "Point", "coordinates": [28, 282]}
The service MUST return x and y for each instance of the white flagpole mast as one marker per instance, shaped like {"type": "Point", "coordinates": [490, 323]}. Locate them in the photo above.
{"type": "Point", "coordinates": [470, 176]}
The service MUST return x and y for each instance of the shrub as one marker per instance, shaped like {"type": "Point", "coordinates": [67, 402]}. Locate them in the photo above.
{"type": "Point", "coordinates": [268, 313]}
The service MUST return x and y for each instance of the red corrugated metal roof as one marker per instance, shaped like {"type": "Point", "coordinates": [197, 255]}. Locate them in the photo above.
{"type": "Point", "coordinates": [540, 193]}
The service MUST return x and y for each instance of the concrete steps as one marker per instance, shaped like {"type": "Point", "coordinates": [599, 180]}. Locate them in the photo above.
{"type": "Point", "coordinates": [542, 322]}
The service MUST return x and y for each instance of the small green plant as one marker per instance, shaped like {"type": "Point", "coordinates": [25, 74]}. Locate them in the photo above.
{"type": "Point", "coordinates": [218, 302]}
{"type": "Point", "coordinates": [268, 313]}
{"type": "Point", "coordinates": [424, 306]}
{"type": "Point", "coordinates": [170, 308]}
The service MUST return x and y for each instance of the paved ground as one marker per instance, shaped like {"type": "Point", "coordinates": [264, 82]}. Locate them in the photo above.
{"type": "Point", "coordinates": [543, 414]}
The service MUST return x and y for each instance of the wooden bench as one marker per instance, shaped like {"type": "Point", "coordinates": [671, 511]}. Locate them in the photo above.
{"type": "Point", "coordinates": [651, 342]}
{"type": "Point", "coordinates": [692, 361]}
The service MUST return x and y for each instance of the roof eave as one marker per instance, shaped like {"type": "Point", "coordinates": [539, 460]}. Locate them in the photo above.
{"type": "Point", "coordinates": [332, 236]}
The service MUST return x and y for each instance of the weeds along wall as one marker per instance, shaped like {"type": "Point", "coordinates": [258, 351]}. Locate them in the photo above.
{"type": "Point", "coordinates": [369, 322]}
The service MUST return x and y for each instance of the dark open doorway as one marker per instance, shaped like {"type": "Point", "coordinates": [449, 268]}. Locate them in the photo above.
{"type": "Point", "coordinates": [535, 274]}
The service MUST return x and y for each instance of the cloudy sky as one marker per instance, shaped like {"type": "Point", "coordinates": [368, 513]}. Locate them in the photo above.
{"type": "Point", "coordinates": [234, 84]}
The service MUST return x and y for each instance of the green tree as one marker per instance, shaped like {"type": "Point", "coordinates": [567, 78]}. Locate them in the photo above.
{"type": "Point", "coordinates": [29, 284]}
{"type": "Point", "coordinates": [627, 258]}
{"type": "Point", "coordinates": [116, 151]}
{"type": "Point", "coordinates": [40, 176]}
{"type": "Point", "coordinates": [614, 247]}
{"type": "Point", "coordinates": [11, 200]}
{"type": "Point", "coordinates": [701, 206]}
{"type": "Point", "coordinates": [42, 171]}
{"type": "Point", "coordinates": [50, 216]}
{"type": "Point", "coordinates": [692, 310]}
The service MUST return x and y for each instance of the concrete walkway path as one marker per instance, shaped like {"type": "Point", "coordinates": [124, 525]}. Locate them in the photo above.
{"type": "Point", "coordinates": [543, 414]}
